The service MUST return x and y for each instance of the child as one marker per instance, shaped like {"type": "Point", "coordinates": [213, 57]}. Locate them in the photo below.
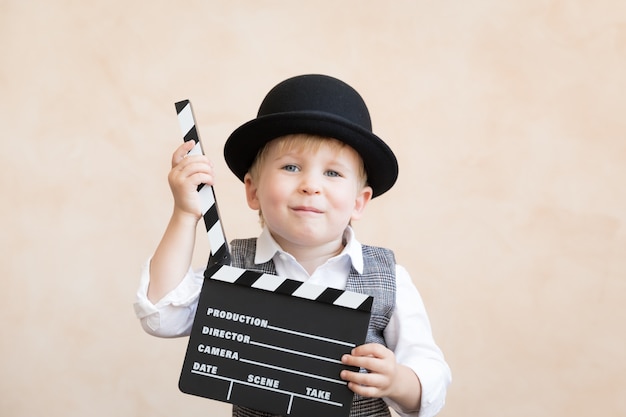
{"type": "Point", "coordinates": [310, 164]}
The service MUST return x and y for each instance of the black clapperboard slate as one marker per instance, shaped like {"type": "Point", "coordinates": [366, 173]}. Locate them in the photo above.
{"type": "Point", "coordinates": [266, 342]}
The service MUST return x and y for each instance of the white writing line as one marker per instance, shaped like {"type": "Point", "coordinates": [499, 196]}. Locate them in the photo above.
{"type": "Point", "coordinates": [230, 388]}
{"type": "Point", "coordinates": [311, 336]}
{"type": "Point", "coordinates": [265, 365]}
{"type": "Point", "coordinates": [295, 352]}
{"type": "Point", "coordinates": [289, 406]}
{"type": "Point", "coordinates": [293, 394]}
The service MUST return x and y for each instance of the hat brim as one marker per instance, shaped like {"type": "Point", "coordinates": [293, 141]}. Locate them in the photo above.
{"type": "Point", "coordinates": [244, 143]}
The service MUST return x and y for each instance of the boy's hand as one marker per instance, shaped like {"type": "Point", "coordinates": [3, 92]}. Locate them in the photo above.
{"type": "Point", "coordinates": [380, 363]}
{"type": "Point", "coordinates": [385, 377]}
{"type": "Point", "coordinates": [187, 173]}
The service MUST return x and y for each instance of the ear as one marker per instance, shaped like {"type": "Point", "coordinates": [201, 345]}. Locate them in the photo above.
{"type": "Point", "coordinates": [363, 197]}
{"type": "Point", "coordinates": [251, 193]}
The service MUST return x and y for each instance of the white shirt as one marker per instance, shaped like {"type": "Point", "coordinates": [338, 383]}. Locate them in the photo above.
{"type": "Point", "coordinates": [408, 333]}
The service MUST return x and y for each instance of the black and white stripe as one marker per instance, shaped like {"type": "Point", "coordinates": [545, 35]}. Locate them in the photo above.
{"type": "Point", "coordinates": [276, 284]}
{"type": "Point", "coordinates": [217, 239]}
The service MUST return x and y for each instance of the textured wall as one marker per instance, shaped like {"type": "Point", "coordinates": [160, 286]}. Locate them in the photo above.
{"type": "Point", "coordinates": [510, 212]}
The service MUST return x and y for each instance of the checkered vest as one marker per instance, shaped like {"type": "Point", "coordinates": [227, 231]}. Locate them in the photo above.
{"type": "Point", "coordinates": [378, 280]}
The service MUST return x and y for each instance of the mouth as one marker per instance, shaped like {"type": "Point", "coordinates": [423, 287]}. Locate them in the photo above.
{"type": "Point", "coordinates": [306, 209]}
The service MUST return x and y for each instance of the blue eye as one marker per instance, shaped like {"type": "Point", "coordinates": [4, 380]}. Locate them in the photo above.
{"type": "Point", "coordinates": [291, 168]}
{"type": "Point", "coordinates": [333, 173]}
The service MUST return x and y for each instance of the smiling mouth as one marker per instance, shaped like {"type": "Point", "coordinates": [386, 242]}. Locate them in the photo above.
{"type": "Point", "coordinates": [305, 209]}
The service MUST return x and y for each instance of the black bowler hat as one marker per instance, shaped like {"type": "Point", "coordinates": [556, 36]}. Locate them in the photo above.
{"type": "Point", "coordinates": [318, 105]}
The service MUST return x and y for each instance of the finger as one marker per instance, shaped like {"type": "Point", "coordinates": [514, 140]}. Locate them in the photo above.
{"type": "Point", "coordinates": [192, 173]}
{"type": "Point", "coordinates": [190, 165]}
{"type": "Point", "coordinates": [370, 349]}
{"type": "Point", "coordinates": [384, 365]}
{"type": "Point", "coordinates": [365, 353]}
{"type": "Point", "coordinates": [181, 152]}
{"type": "Point", "coordinates": [364, 383]}
{"type": "Point", "coordinates": [366, 362]}
{"type": "Point", "coordinates": [365, 390]}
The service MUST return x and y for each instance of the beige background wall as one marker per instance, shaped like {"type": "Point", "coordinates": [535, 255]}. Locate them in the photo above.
{"type": "Point", "coordinates": [510, 212]}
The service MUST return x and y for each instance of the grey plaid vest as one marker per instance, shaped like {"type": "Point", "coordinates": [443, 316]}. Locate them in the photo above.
{"type": "Point", "coordinates": [378, 280]}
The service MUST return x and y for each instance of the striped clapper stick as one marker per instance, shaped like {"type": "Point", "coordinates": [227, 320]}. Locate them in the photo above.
{"type": "Point", "coordinates": [208, 205]}
{"type": "Point", "coordinates": [265, 342]}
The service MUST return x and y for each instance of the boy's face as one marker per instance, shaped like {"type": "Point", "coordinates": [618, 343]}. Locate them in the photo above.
{"type": "Point", "coordinates": [308, 197]}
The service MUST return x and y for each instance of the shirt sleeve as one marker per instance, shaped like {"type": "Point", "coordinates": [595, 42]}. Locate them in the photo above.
{"type": "Point", "coordinates": [173, 315]}
{"type": "Point", "coordinates": [409, 335]}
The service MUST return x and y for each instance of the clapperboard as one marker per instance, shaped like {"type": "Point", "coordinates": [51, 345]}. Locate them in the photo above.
{"type": "Point", "coordinates": [266, 342]}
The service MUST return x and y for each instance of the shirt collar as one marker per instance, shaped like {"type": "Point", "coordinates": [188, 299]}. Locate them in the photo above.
{"type": "Point", "coordinates": [267, 248]}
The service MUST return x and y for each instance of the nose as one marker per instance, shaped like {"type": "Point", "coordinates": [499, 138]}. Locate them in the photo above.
{"type": "Point", "coordinates": [310, 185]}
